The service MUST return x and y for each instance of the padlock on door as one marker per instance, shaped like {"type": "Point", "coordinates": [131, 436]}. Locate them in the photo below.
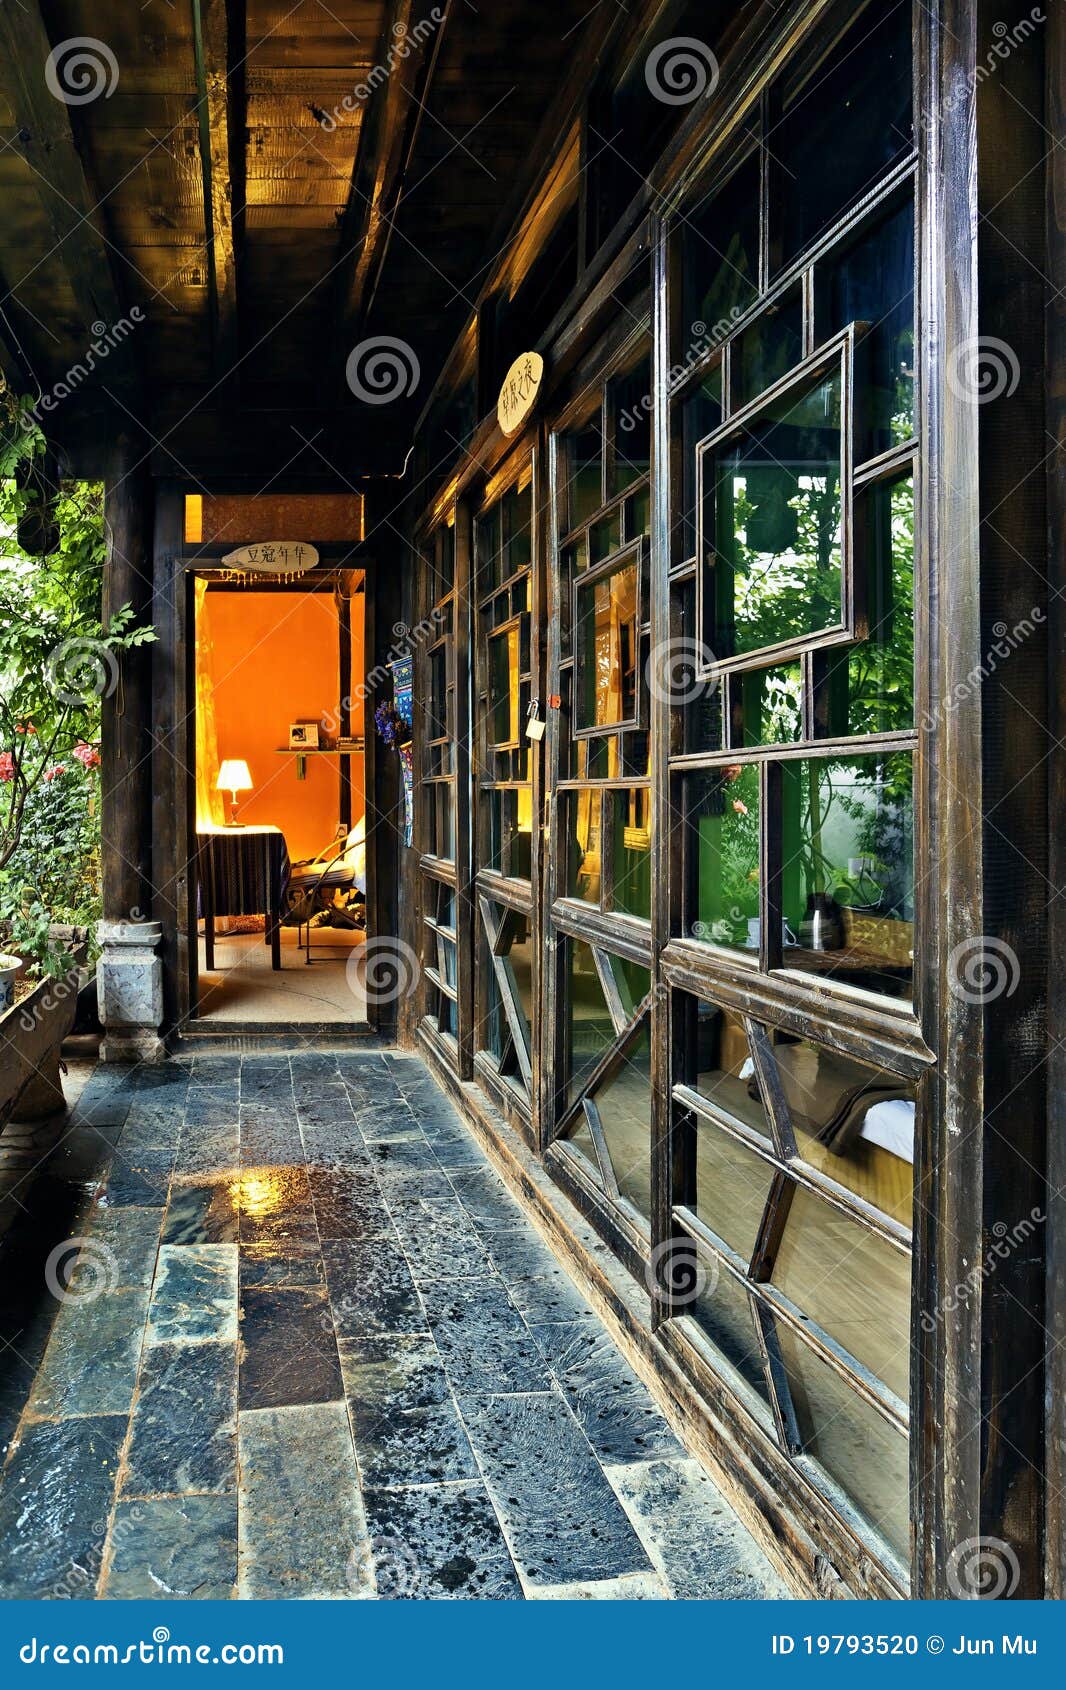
{"type": "Point", "coordinates": [535, 724]}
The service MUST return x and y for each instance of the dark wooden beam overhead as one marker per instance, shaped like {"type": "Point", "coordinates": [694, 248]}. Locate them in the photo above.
{"type": "Point", "coordinates": [46, 140]}
{"type": "Point", "coordinates": [389, 131]}
{"type": "Point", "coordinates": [212, 48]}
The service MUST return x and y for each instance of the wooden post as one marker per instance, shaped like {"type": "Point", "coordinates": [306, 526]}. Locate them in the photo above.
{"type": "Point", "coordinates": [126, 713]}
{"type": "Point", "coordinates": [129, 979]}
{"type": "Point", "coordinates": [978, 1377]}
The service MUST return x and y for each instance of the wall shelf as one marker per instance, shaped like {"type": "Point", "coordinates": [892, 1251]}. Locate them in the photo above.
{"type": "Point", "coordinates": [355, 750]}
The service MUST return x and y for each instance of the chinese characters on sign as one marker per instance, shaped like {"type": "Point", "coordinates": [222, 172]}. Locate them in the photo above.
{"type": "Point", "coordinates": [281, 559]}
{"type": "Point", "coordinates": [518, 394]}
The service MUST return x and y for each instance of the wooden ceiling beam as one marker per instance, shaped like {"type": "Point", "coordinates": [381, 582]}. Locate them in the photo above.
{"type": "Point", "coordinates": [45, 139]}
{"type": "Point", "coordinates": [386, 139]}
{"type": "Point", "coordinates": [212, 21]}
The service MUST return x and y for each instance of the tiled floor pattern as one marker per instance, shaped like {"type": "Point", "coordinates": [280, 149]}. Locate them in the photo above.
{"type": "Point", "coordinates": [310, 1347]}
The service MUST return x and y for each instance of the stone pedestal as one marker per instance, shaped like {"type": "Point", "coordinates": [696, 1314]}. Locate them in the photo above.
{"type": "Point", "coordinates": [129, 980]}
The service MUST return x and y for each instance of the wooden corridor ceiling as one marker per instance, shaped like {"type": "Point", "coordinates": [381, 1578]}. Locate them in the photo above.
{"type": "Point", "coordinates": [253, 187]}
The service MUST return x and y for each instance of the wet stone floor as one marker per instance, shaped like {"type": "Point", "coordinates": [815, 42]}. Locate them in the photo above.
{"type": "Point", "coordinates": [272, 1327]}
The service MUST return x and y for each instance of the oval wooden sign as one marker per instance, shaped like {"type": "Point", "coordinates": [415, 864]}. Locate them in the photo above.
{"type": "Point", "coordinates": [272, 557]}
{"type": "Point", "coordinates": [518, 394]}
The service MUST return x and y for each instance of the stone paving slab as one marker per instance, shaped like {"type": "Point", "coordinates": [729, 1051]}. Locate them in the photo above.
{"type": "Point", "coordinates": [310, 1347]}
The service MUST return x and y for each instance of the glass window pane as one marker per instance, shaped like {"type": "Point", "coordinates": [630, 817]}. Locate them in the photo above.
{"type": "Point", "coordinates": [517, 530]}
{"type": "Point", "coordinates": [606, 626]}
{"type": "Point", "coordinates": [623, 1104]}
{"type": "Point", "coordinates": [582, 460]}
{"type": "Point", "coordinates": [637, 515]}
{"type": "Point", "coordinates": [843, 129]}
{"type": "Point", "coordinates": [518, 962]}
{"type": "Point", "coordinates": [582, 813]}
{"type": "Point", "coordinates": [854, 1443]}
{"type": "Point", "coordinates": [869, 687]}
{"type": "Point", "coordinates": [441, 561]}
{"type": "Point", "coordinates": [732, 1185]}
{"type": "Point", "coordinates": [767, 350]}
{"type": "Point", "coordinates": [848, 869]}
{"type": "Point", "coordinates": [722, 839]}
{"type": "Point", "coordinates": [440, 813]}
{"type": "Point", "coordinates": [437, 703]}
{"type": "Point", "coordinates": [701, 414]}
{"type": "Point", "coordinates": [589, 1025]}
{"type": "Point", "coordinates": [872, 282]}
{"type": "Point", "coordinates": [768, 705]}
{"type": "Point", "coordinates": [724, 1068]}
{"type": "Point", "coordinates": [851, 1282]}
{"type": "Point", "coordinates": [630, 402]}
{"type": "Point", "coordinates": [720, 255]}
{"type": "Point", "coordinates": [487, 550]}
{"type": "Point", "coordinates": [853, 1122]}
{"type": "Point", "coordinates": [773, 497]}
{"type": "Point", "coordinates": [508, 812]}
{"type": "Point", "coordinates": [605, 536]}
{"type": "Point", "coordinates": [723, 1313]}
{"type": "Point", "coordinates": [504, 665]}
{"type": "Point", "coordinates": [630, 891]}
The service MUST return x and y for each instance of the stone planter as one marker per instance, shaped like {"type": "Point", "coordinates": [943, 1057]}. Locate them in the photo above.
{"type": "Point", "coordinates": [31, 1034]}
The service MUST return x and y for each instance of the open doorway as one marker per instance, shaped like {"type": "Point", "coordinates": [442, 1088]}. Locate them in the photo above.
{"type": "Point", "coordinates": [280, 917]}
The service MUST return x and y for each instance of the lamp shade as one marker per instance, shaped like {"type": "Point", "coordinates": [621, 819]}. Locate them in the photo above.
{"type": "Point", "coordinates": [234, 776]}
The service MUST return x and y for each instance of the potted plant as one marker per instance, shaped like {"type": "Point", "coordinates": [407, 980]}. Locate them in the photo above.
{"type": "Point", "coordinates": [57, 663]}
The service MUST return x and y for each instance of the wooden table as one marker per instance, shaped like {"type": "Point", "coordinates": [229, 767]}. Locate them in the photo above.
{"type": "Point", "coordinates": [242, 871]}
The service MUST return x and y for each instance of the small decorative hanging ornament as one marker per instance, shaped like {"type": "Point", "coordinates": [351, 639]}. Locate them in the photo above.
{"type": "Point", "coordinates": [535, 724]}
{"type": "Point", "coordinates": [277, 560]}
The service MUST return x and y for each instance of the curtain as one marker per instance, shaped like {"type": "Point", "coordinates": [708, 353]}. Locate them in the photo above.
{"type": "Point", "coordinates": [209, 803]}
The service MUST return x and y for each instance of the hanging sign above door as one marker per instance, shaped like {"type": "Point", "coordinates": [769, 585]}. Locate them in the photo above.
{"type": "Point", "coordinates": [278, 560]}
{"type": "Point", "coordinates": [518, 394]}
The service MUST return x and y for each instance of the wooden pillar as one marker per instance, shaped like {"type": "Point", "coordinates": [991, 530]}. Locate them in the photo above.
{"type": "Point", "coordinates": [129, 978]}
{"type": "Point", "coordinates": [978, 1382]}
{"type": "Point", "coordinates": [126, 773]}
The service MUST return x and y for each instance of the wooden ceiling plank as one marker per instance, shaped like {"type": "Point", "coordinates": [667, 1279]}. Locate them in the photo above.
{"type": "Point", "coordinates": [389, 130]}
{"type": "Point", "coordinates": [46, 141]}
{"type": "Point", "coordinates": [211, 46]}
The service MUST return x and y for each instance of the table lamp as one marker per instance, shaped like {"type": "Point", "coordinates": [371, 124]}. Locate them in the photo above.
{"type": "Point", "coordinates": [234, 776]}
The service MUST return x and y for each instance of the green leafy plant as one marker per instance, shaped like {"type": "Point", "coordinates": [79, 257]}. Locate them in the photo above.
{"type": "Point", "coordinates": [57, 663]}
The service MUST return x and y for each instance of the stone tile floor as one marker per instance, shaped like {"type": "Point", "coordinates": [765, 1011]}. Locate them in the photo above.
{"type": "Point", "coordinates": [273, 1327]}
